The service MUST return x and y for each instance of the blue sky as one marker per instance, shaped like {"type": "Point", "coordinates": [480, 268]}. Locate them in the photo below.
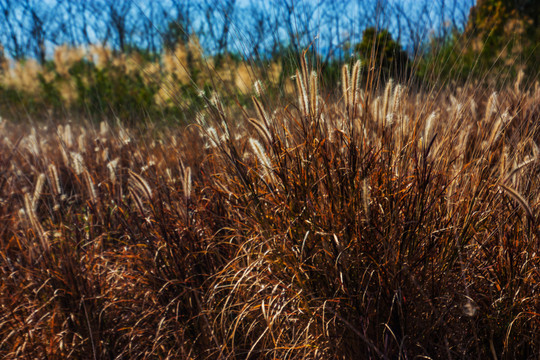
{"type": "Point", "coordinates": [309, 15]}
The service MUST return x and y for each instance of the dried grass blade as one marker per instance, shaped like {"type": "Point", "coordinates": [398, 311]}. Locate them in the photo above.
{"type": "Point", "coordinates": [521, 200]}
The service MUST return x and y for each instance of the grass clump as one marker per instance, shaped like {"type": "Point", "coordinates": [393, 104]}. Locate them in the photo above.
{"type": "Point", "coordinates": [378, 223]}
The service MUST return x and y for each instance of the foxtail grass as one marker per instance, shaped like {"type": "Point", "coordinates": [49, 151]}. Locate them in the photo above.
{"type": "Point", "coordinates": [380, 223]}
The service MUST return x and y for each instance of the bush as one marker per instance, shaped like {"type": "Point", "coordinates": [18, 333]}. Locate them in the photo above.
{"type": "Point", "coordinates": [499, 40]}
{"type": "Point", "coordinates": [113, 92]}
{"type": "Point", "coordinates": [378, 50]}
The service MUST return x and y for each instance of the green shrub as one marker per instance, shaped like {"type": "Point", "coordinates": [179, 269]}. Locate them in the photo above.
{"type": "Point", "coordinates": [500, 39]}
{"type": "Point", "coordinates": [380, 51]}
{"type": "Point", "coordinates": [112, 91]}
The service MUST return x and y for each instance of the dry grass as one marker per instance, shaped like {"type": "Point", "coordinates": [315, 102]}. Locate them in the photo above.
{"type": "Point", "coordinates": [393, 225]}
{"type": "Point", "coordinates": [174, 69]}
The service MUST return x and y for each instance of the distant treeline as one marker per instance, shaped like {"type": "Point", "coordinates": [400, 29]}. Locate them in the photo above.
{"type": "Point", "coordinates": [144, 59]}
{"type": "Point", "coordinates": [251, 28]}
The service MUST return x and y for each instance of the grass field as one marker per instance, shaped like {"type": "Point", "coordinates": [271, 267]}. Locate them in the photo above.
{"type": "Point", "coordinates": [393, 223]}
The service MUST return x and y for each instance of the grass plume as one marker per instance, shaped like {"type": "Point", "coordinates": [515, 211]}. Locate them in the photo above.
{"type": "Point", "coordinates": [347, 223]}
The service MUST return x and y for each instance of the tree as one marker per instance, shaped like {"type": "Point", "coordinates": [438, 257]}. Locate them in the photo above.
{"type": "Point", "coordinates": [504, 37]}
{"type": "Point", "coordinates": [379, 51]}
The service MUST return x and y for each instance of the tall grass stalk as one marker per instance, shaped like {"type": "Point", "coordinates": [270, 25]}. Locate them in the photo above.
{"type": "Point", "coordinates": [368, 222]}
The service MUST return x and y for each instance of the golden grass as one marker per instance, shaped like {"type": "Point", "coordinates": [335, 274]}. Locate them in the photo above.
{"type": "Point", "coordinates": [170, 72]}
{"type": "Point", "coordinates": [357, 227]}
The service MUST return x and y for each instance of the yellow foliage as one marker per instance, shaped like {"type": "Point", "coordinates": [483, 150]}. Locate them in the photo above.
{"type": "Point", "coordinates": [65, 56]}
{"type": "Point", "coordinates": [22, 76]}
{"type": "Point", "coordinates": [186, 65]}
